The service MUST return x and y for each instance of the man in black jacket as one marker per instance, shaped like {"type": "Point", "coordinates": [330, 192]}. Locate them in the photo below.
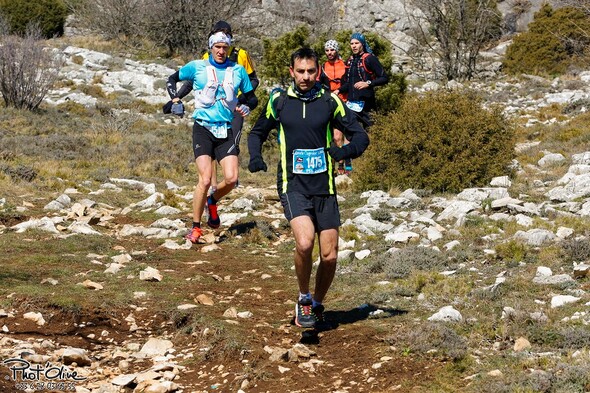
{"type": "Point", "coordinates": [305, 116]}
{"type": "Point", "coordinates": [363, 73]}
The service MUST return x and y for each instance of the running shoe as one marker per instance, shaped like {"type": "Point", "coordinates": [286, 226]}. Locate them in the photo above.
{"type": "Point", "coordinates": [318, 312]}
{"type": "Point", "coordinates": [213, 220]}
{"type": "Point", "coordinates": [320, 323]}
{"type": "Point", "coordinates": [347, 167]}
{"type": "Point", "coordinates": [304, 317]}
{"type": "Point", "coordinates": [194, 235]}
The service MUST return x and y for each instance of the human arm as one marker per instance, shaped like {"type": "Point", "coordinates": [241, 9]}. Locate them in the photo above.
{"type": "Point", "coordinates": [258, 135]}
{"type": "Point", "coordinates": [247, 101]}
{"type": "Point", "coordinates": [378, 71]}
{"type": "Point", "coordinates": [346, 121]}
{"type": "Point", "coordinates": [253, 80]}
{"type": "Point", "coordinates": [185, 89]}
{"type": "Point", "coordinates": [185, 73]}
{"type": "Point", "coordinates": [242, 99]}
{"type": "Point", "coordinates": [344, 85]}
{"type": "Point", "coordinates": [250, 102]}
{"type": "Point", "coordinates": [324, 79]}
{"type": "Point", "coordinates": [245, 61]}
{"type": "Point", "coordinates": [175, 96]}
{"type": "Point", "coordinates": [173, 79]}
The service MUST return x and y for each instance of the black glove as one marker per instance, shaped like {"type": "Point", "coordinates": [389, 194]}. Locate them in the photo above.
{"type": "Point", "coordinates": [337, 153]}
{"type": "Point", "coordinates": [257, 164]}
{"type": "Point", "coordinates": [167, 108]}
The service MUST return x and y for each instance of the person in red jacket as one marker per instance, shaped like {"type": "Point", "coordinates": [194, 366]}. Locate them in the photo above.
{"type": "Point", "coordinates": [331, 76]}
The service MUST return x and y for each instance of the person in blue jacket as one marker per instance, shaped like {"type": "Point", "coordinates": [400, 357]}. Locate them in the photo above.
{"type": "Point", "coordinates": [216, 83]}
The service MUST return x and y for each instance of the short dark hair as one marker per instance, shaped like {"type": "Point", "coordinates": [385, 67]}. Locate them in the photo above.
{"type": "Point", "coordinates": [305, 53]}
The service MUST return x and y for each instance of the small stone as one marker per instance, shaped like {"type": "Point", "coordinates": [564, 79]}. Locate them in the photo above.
{"type": "Point", "coordinates": [204, 300]}
{"type": "Point", "coordinates": [521, 344]}
{"type": "Point", "coordinates": [184, 307]}
{"type": "Point", "coordinates": [36, 317]}
{"type": "Point", "coordinates": [150, 274]}
{"type": "Point", "coordinates": [283, 370]}
{"type": "Point", "coordinates": [230, 313]}
{"type": "Point", "coordinates": [91, 285]}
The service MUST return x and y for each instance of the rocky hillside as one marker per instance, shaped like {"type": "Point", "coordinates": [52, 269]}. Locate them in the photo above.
{"type": "Point", "coordinates": [389, 18]}
{"type": "Point", "coordinates": [482, 291]}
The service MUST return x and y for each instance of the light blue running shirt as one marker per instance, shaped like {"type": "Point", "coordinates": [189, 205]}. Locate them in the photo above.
{"type": "Point", "coordinates": [196, 71]}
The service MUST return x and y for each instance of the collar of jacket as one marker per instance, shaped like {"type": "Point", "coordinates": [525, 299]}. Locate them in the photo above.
{"type": "Point", "coordinates": [315, 92]}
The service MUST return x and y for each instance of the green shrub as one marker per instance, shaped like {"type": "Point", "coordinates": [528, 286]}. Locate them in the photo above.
{"type": "Point", "coordinates": [403, 262]}
{"type": "Point", "coordinates": [49, 15]}
{"type": "Point", "coordinates": [575, 338]}
{"type": "Point", "coordinates": [571, 378]}
{"type": "Point", "coordinates": [576, 250]}
{"type": "Point", "coordinates": [512, 251]}
{"type": "Point", "coordinates": [27, 70]}
{"type": "Point", "coordinates": [443, 141]}
{"type": "Point", "coordinates": [555, 40]}
{"type": "Point", "coordinates": [433, 337]}
{"type": "Point", "coordinates": [389, 97]}
{"type": "Point", "coordinates": [21, 172]}
{"type": "Point", "coordinates": [277, 55]}
{"type": "Point", "coordinates": [381, 215]}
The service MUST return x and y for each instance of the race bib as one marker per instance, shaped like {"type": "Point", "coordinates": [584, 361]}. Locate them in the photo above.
{"type": "Point", "coordinates": [309, 161]}
{"type": "Point", "coordinates": [219, 130]}
{"type": "Point", "coordinates": [356, 106]}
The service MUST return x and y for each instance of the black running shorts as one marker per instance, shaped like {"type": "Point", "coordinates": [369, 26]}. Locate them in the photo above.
{"type": "Point", "coordinates": [322, 209]}
{"type": "Point", "coordinates": [205, 144]}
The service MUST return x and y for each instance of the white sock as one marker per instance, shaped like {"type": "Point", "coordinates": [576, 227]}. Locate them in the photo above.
{"type": "Point", "coordinates": [305, 296]}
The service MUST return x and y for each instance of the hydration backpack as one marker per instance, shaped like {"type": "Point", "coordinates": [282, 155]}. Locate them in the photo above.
{"type": "Point", "coordinates": [368, 72]}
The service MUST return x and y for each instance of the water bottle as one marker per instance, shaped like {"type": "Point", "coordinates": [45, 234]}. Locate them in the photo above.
{"type": "Point", "coordinates": [177, 109]}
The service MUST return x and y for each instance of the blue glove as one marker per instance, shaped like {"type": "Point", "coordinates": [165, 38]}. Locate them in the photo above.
{"type": "Point", "coordinates": [245, 109]}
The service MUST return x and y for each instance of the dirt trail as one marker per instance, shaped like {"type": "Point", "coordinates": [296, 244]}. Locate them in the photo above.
{"type": "Point", "coordinates": [352, 357]}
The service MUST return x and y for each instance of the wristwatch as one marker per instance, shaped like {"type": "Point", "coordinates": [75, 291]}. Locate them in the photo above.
{"type": "Point", "coordinates": [368, 82]}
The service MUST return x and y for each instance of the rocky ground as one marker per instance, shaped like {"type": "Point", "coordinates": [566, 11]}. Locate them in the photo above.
{"type": "Point", "coordinates": [138, 348]}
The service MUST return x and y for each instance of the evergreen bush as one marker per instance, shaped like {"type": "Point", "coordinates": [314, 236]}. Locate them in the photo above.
{"type": "Point", "coordinates": [388, 97]}
{"type": "Point", "coordinates": [555, 41]}
{"type": "Point", "coordinates": [277, 56]}
{"type": "Point", "coordinates": [48, 15]}
{"type": "Point", "coordinates": [442, 141]}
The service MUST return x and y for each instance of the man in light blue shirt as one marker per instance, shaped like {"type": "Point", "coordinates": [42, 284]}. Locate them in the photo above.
{"type": "Point", "coordinates": [216, 82]}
